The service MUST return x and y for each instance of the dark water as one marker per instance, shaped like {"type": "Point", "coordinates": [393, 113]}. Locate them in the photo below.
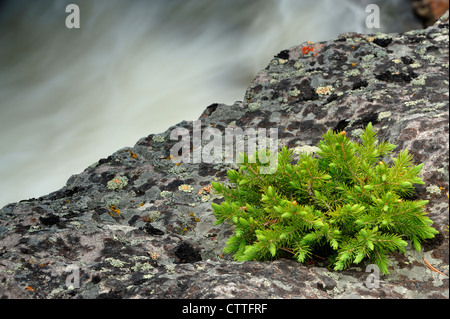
{"type": "Point", "coordinates": [71, 96]}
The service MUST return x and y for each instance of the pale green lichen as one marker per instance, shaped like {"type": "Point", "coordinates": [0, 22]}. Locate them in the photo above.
{"type": "Point", "coordinates": [358, 132]}
{"type": "Point", "coordinates": [254, 106]}
{"type": "Point", "coordinates": [295, 92]}
{"type": "Point", "coordinates": [158, 138]}
{"type": "Point", "coordinates": [434, 189]}
{"type": "Point", "coordinates": [324, 90]}
{"type": "Point", "coordinates": [368, 57]}
{"type": "Point", "coordinates": [170, 269]}
{"type": "Point", "coordinates": [166, 194]}
{"type": "Point", "coordinates": [308, 149]}
{"type": "Point", "coordinates": [413, 103]}
{"type": "Point", "coordinates": [353, 72]}
{"type": "Point", "coordinates": [178, 171]}
{"type": "Point", "coordinates": [298, 65]}
{"type": "Point", "coordinates": [383, 115]}
{"type": "Point", "coordinates": [117, 183]}
{"type": "Point", "coordinates": [153, 216]}
{"type": "Point", "coordinates": [429, 58]}
{"type": "Point", "coordinates": [145, 267]}
{"type": "Point", "coordinates": [115, 262]}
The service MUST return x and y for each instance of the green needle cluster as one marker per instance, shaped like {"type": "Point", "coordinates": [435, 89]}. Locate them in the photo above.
{"type": "Point", "coordinates": [346, 203]}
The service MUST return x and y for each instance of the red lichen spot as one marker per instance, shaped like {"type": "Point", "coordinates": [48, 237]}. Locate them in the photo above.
{"type": "Point", "coordinates": [29, 288]}
{"type": "Point", "coordinates": [307, 49]}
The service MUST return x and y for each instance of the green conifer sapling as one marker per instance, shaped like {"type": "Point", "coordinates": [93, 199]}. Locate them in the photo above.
{"type": "Point", "coordinates": [344, 204]}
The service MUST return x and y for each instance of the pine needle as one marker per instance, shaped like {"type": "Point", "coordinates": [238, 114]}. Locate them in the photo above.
{"type": "Point", "coordinates": [432, 268]}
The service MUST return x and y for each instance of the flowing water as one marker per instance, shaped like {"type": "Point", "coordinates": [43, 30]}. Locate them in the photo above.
{"type": "Point", "coordinates": [69, 97]}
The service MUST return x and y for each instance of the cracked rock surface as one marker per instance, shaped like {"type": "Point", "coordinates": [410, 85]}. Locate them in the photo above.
{"type": "Point", "coordinates": [137, 225]}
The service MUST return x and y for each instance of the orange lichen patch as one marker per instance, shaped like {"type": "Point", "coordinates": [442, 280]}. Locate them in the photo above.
{"type": "Point", "coordinates": [153, 255]}
{"type": "Point", "coordinates": [307, 49]}
{"type": "Point", "coordinates": [114, 209]}
{"type": "Point", "coordinates": [207, 189]}
{"type": "Point", "coordinates": [325, 90]}
{"type": "Point", "coordinates": [353, 64]}
{"type": "Point", "coordinates": [133, 155]}
{"type": "Point", "coordinates": [184, 187]}
{"type": "Point", "coordinates": [29, 288]}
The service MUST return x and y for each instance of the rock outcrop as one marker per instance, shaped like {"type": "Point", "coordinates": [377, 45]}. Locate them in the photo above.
{"type": "Point", "coordinates": [138, 225]}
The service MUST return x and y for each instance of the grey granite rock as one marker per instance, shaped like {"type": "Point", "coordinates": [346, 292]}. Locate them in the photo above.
{"type": "Point", "coordinates": [137, 225]}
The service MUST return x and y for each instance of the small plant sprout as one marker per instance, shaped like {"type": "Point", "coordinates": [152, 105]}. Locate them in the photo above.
{"type": "Point", "coordinates": [346, 203]}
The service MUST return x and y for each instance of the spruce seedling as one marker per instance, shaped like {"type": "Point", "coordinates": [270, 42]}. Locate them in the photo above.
{"type": "Point", "coordinates": [344, 203]}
